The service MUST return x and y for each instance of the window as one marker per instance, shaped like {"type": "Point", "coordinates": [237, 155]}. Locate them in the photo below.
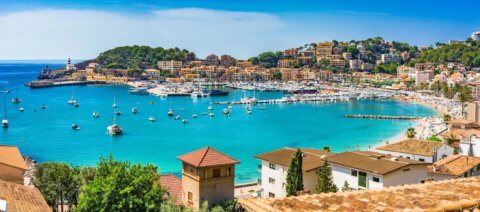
{"type": "Point", "coordinates": [362, 179]}
{"type": "Point", "coordinates": [271, 195]}
{"type": "Point", "coordinates": [376, 179]}
{"type": "Point", "coordinates": [229, 171]}
{"type": "Point", "coordinates": [354, 173]}
{"type": "Point", "coordinates": [272, 165]}
{"type": "Point", "coordinates": [271, 180]}
{"type": "Point", "coordinates": [421, 159]}
{"type": "Point", "coordinates": [190, 198]}
{"type": "Point", "coordinates": [216, 172]}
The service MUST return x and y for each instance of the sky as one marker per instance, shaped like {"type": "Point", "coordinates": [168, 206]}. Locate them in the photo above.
{"type": "Point", "coordinates": [58, 29]}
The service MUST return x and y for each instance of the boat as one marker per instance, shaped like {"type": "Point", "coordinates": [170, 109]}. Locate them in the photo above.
{"type": "Point", "coordinates": [194, 116]}
{"type": "Point", "coordinates": [114, 129]}
{"type": "Point", "coordinates": [5, 91]}
{"type": "Point", "coordinates": [16, 100]}
{"type": "Point", "coordinates": [210, 115]}
{"type": "Point", "coordinates": [249, 112]}
{"type": "Point", "coordinates": [76, 104]}
{"type": "Point", "coordinates": [230, 107]}
{"type": "Point", "coordinates": [5, 120]}
{"type": "Point", "coordinates": [216, 93]}
{"type": "Point", "coordinates": [184, 121]}
{"type": "Point", "coordinates": [209, 108]}
{"type": "Point", "coordinates": [170, 112]}
{"type": "Point", "coordinates": [21, 109]}
{"type": "Point", "coordinates": [118, 113]}
{"type": "Point", "coordinates": [96, 114]}
{"type": "Point", "coordinates": [138, 91]}
{"type": "Point", "coordinates": [72, 100]}
{"type": "Point", "coordinates": [44, 107]}
{"type": "Point", "coordinates": [75, 127]}
{"type": "Point", "coordinates": [134, 110]}
{"type": "Point", "coordinates": [196, 94]}
{"type": "Point", "coordinates": [204, 113]}
{"type": "Point", "coordinates": [225, 111]}
{"type": "Point", "coordinates": [151, 118]}
{"type": "Point", "coordinates": [176, 118]}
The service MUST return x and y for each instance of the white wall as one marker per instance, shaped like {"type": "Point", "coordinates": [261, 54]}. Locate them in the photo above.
{"type": "Point", "coordinates": [279, 174]}
{"type": "Point", "coordinates": [416, 174]}
{"type": "Point", "coordinates": [465, 145]}
{"type": "Point", "coordinates": [341, 174]}
{"type": "Point", "coordinates": [442, 152]}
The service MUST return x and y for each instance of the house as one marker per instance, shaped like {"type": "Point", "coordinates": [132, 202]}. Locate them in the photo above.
{"type": "Point", "coordinates": [372, 170]}
{"type": "Point", "coordinates": [455, 166]}
{"type": "Point", "coordinates": [19, 198]}
{"type": "Point", "coordinates": [449, 195]}
{"type": "Point", "coordinates": [173, 185]}
{"type": "Point", "coordinates": [207, 175]}
{"type": "Point", "coordinates": [12, 165]}
{"type": "Point", "coordinates": [470, 146]}
{"type": "Point", "coordinates": [421, 150]}
{"type": "Point", "coordinates": [275, 166]}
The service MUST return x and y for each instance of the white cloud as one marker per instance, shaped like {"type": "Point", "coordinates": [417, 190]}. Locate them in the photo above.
{"type": "Point", "coordinates": [56, 34]}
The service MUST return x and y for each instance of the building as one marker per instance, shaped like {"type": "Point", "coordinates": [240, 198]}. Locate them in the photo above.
{"type": "Point", "coordinates": [355, 64]}
{"type": "Point", "coordinates": [12, 165]}
{"type": "Point", "coordinates": [19, 198]}
{"type": "Point", "coordinates": [469, 146]}
{"type": "Point", "coordinates": [423, 76]}
{"type": "Point", "coordinates": [451, 195]}
{"type": "Point", "coordinates": [424, 66]}
{"type": "Point", "coordinates": [207, 175]}
{"type": "Point", "coordinates": [212, 60]}
{"type": "Point", "coordinates": [173, 185]}
{"type": "Point", "coordinates": [472, 111]}
{"type": "Point", "coordinates": [475, 36]}
{"type": "Point", "coordinates": [274, 168]}
{"type": "Point", "coordinates": [391, 58]}
{"type": "Point", "coordinates": [324, 49]}
{"type": "Point", "coordinates": [455, 166]}
{"type": "Point", "coordinates": [475, 87]}
{"type": "Point", "coordinates": [366, 66]}
{"type": "Point", "coordinates": [172, 66]}
{"type": "Point", "coordinates": [372, 170]}
{"type": "Point", "coordinates": [338, 63]}
{"type": "Point", "coordinates": [285, 63]}
{"type": "Point", "coordinates": [152, 73]}
{"type": "Point", "coordinates": [292, 52]}
{"type": "Point", "coordinates": [421, 150]}
{"type": "Point", "coordinates": [227, 60]}
{"type": "Point", "coordinates": [347, 56]}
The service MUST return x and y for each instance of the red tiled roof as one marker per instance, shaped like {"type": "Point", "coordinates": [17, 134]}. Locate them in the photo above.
{"type": "Point", "coordinates": [207, 157]}
{"type": "Point", "coordinates": [173, 184]}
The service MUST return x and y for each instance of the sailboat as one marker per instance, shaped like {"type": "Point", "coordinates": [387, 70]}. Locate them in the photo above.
{"type": "Point", "coordinates": [72, 100]}
{"type": "Point", "coordinates": [114, 104]}
{"type": "Point", "coordinates": [5, 120]}
{"type": "Point", "coordinates": [114, 129]}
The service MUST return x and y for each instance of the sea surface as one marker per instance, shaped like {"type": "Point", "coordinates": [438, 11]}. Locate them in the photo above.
{"type": "Point", "coordinates": [46, 135]}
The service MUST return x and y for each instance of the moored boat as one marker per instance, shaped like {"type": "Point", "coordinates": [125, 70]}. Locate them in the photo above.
{"type": "Point", "coordinates": [151, 119]}
{"type": "Point", "coordinates": [75, 127]}
{"type": "Point", "coordinates": [170, 112]}
{"type": "Point", "coordinates": [134, 110]}
{"type": "Point", "coordinates": [96, 114]}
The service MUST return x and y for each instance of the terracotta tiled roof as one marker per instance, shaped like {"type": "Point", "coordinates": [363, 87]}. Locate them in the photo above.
{"type": "Point", "coordinates": [413, 146]}
{"type": "Point", "coordinates": [173, 184]}
{"type": "Point", "coordinates": [22, 198]}
{"type": "Point", "coordinates": [454, 165]}
{"type": "Point", "coordinates": [9, 155]}
{"type": "Point", "coordinates": [313, 158]}
{"type": "Point", "coordinates": [460, 133]}
{"type": "Point", "coordinates": [448, 195]}
{"type": "Point", "coordinates": [372, 162]}
{"type": "Point", "coordinates": [207, 157]}
{"type": "Point", "coordinates": [460, 121]}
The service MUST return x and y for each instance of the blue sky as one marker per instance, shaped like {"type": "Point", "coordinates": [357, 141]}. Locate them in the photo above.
{"type": "Point", "coordinates": [55, 29]}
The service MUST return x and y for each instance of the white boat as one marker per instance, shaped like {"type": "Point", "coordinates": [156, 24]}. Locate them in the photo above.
{"type": "Point", "coordinates": [177, 117]}
{"type": "Point", "coordinates": [21, 109]}
{"type": "Point", "coordinates": [75, 127]}
{"type": "Point", "coordinates": [170, 112]}
{"type": "Point", "coordinates": [184, 121]}
{"type": "Point", "coordinates": [151, 118]}
{"type": "Point", "coordinates": [16, 100]}
{"type": "Point", "coordinates": [5, 120]}
{"type": "Point", "coordinates": [76, 104]}
{"type": "Point", "coordinates": [211, 115]}
{"type": "Point", "coordinates": [114, 129]}
{"type": "Point", "coordinates": [249, 112]}
{"type": "Point", "coordinates": [230, 107]}
{"type": "Point", "coordinates": [96, 114]}
{"type": "Point", "coordinates": [72, 100]}
{"type": "Point", "coordinates": [225, 111]}
{"type": "Point", "coordinates": [134, 110]}
{"type": "Point", "coordinates": [209, 108]}
{"type": "Point", "coordinates": [194, 116]}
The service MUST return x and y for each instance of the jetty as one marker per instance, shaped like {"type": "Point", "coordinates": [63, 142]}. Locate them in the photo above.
{"type": "Point", "coordinates": [360, 116]}
{"type": "Point", "coordinates": [51, 83]}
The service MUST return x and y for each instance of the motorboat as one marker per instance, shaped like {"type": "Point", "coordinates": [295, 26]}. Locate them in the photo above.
{"type": "Point", "coordinates": [209, 108]}
{"type": "Point", "coordinates": [225, 111]}
{"type": "Point", "coordinates": [170, 112]}
{"type": "Point", "coordinates": [176, 118]}
{"type": "Point", "coordinates": [134, 110]}
{"type": "Point", "coordinates": [75, 127]}
{"type": "Point", "coordinates": [96, 114]}
{"type": "Point", "coordinates": [151, 118]}
{"type": "Point", "coordinates": [211, 115]}
{"type": "Point", "coordinates": [16, 100]}
{"type": "Point", "coordinates": [44, 106]}
{"type": "Point", "coordinates": [194, 116]}
{"type": "Point", "coordinates": [21, 109]}
{"type": "Point", "coordinates": [5, 120]}
{"type": "Point", "coordinates": [184, 121]}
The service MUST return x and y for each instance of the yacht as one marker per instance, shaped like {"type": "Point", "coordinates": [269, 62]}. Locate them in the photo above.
{"type": "Point", "coordinates": [170, 112]}
{"type": "Point", "coordinates": [194, 115]}
{"type": "Point", "coordinates": [225, 111]}
{"type": "Point", "coordinates": [21, 109]}
{"type": "Point", "coordinates": [176, 118]}
{"type": "Point", "coordinates": [209, 108]}
{"type": "Point", "coordinates": [134, 110]}
{"type": "Point", "coordinates": [114, 129]}
{"type": "Point", "coordinates": [230, 107]}
{"type": "Point", "coordinates": [96, 114]}
{"type": "Point", "coordinates": [16, 100]}
{"type": "Point", "coordinates": [75, 127]}
{"type": "Point", "coordinates": [184, 121]}
{"type": "Point", "coordinates": [72, 101]}
{"type": "Point", "coordinates": [210, 115]}
{"type": "Point", "coordinates": [151, 118]}
{"type": "Point", "coordinates": [5, 120]}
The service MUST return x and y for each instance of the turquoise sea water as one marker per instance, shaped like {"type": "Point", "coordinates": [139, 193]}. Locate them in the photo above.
{"type": "Point", "coordinates": [46, 135]}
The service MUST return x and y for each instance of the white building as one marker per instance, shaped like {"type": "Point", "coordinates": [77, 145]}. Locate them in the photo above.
{"type": "Point", "coordinates": [171, 65]}
{"type": "Point", "coordinates": [475, 35]}
{"type": "Point", "coordinates": [421, 150]}
{"type": "Point", "coordinates": [275, 165]}
{"type": "Point", "coordinates": [372, 170]}
{"type": "Point", "coordinates": [391, 58]}
{"type": "Point", "coordinates": [455, 166]}
{"type": "Point", "coordinates": [470, 147]}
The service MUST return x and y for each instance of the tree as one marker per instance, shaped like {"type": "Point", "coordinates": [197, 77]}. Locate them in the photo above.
{"type": "Point", "coordinates": [326, 149]}
{"type": "Point", "coordinates": [266, 59]}
{"type": "Point", "coordinates": [464, 95]}
{"type": "Point", "coordinates": [121, 186]}
{"type": "Point", "coordinates": [434, 138]}
{"type": "Point", "coordinates": [410, 132]}
{"type": "Point", "coordinates": [57, 182]}
{"type": "Point", "coordinates": [295, 174]}
{"type": "Point", "coordinates": [325, 179]}
{"type": "Point", "coordinates": [346, 186]}
{"type": "Point", "coordinates": [277, 75]}
{"type": "Point", "coordinates": [447, 117]}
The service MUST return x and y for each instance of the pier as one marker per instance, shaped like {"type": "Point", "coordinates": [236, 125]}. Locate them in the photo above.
{"type": "Point", "coordinates": [51, 83]}
{"type": "Point", "coordinates": [360, 116]}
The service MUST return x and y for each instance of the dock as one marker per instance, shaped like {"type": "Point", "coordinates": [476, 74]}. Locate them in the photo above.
{"type": "Point", "coordinates": [51, 83]}
{"type": "Point", "coordinates": [360, 116]}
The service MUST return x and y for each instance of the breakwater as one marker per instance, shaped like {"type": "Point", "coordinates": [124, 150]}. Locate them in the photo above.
{"type": "Point", "coordinates": [360, 116]}
{"type": "Point", "coordinates": [50, 83]}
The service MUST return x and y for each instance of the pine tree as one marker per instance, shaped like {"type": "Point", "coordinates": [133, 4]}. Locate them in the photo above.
{"type": "Point", "coordinates": [325, 180]}
{"type": "Point", "coordinates": [346, 186]}
{"type": "Point", "coordinates": [295, 174]}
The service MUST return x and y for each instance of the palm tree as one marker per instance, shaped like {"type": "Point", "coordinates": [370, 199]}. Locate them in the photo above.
{"type": "Point", "coordinates": [447, 117]}
{"type": "Point", "coordinates": [410, 132]}
{"type": "Point", "coordinates": [326, 149]}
